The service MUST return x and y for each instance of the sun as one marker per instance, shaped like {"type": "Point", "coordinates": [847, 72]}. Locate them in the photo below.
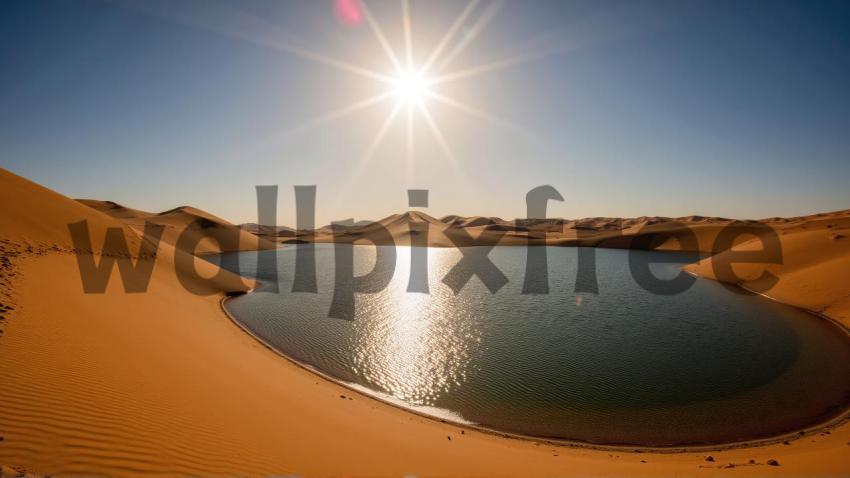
{"type": "Point", "coordinates": [415, 82]}
{"type": "Point", "coordinates": [411, 87]}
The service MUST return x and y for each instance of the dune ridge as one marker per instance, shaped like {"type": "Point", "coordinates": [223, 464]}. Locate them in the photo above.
{"type": "Point", "coordinates": [591, 232]}
{"type": "Point", "coordinates": [209, 234]}
{"type": "Point", "coordinates": [814, 272]}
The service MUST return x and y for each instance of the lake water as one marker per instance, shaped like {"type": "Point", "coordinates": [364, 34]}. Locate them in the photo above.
{"type": "Point", "coordinates": [625, 366]}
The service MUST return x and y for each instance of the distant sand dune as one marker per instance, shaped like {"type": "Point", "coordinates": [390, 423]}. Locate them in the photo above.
{"type": "Point", "coordinates": [816, 248]}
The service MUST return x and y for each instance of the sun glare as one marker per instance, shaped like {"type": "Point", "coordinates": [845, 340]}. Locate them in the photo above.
{"type": "Point", "coordinates": [413, 85]}
{"type": "Point", "coordinates": [410, 87]}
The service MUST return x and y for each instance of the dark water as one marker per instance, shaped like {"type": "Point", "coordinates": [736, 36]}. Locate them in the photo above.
{"type": "Point", "coordinates": [622, 367]}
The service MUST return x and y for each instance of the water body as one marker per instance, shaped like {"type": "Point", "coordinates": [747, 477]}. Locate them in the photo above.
{"type": "Point", "coordinates": [624, 366]}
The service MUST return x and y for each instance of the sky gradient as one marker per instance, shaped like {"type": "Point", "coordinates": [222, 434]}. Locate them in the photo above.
{"type": "Point", "coordinates": [730, 108]}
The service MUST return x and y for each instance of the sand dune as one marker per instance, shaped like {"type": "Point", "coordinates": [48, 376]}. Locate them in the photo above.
{"type": "Point", "coordinates": [187, 228]}
{"type": "Point", "coordinates": [41, 229]}
{"type": "Point", "coordinates": [163, 383]}
{"type": "Point", "coordinates": [814, 272]}
{"type": "Point", "coordinates": [269, 232]}
{"type": "Point", "coordinates": [31, 219]}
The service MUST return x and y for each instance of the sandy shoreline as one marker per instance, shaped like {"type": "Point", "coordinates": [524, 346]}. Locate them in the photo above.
{"type": "Point", "coordinates": [827, 425]}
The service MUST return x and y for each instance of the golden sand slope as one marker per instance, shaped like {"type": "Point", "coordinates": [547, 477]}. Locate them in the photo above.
{"type": "Point", "coordinates": [208, 234]}
{"type": "Point", "coordinates": [163, 383]}
{"type": "Point", "coordinates": [815, 269]}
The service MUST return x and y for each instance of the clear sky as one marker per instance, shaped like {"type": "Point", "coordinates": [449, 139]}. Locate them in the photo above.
{"type": "Point", "coordinates": [730, 108]}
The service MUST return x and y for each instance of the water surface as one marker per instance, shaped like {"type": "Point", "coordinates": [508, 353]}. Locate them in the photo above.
{"type": "Point", "coordinates": [622, 367]}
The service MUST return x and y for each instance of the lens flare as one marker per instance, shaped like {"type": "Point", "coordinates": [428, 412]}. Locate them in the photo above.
{"type": "Point", "coordinates": [348, 12]}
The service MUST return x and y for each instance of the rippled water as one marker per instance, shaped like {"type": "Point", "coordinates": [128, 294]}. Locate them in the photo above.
{"type": "Point", "coordinates": [621, 367]}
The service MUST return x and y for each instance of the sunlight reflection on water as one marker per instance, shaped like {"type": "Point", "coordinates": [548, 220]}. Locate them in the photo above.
{"type": "Point", "coordinates": [420, 349]}
{"type": "Point", "coordinates": [623, 366]}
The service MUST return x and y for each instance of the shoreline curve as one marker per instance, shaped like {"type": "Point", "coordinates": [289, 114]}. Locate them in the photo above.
{"type": "Point", "coordinates": [832, 423]}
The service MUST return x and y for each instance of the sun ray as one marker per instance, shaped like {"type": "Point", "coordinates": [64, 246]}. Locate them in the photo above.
{"type": "Point", "coordinates": [464, 107]}
{"type": "Point", "coordinates": [379, 34]}
{"type": "Point", "coordinates": [486, 17]}
{"type": "Point", "coordinates": [338, 113]}
{"type": "Point", "coordinates": [379, 136]}
{"type": "Point", "coordinates": [446, 149]}
{"type": "Point", "coordinates": [450, 34]}
{"type": "Point", "coordinates": [581, 33]}
{"type": "Point", "coordinates": [410, 142]}
{"type": "Point", "coordinates": [492, 66]}
{"type": "Point", "coordinates": [472, 111]}
{"type": "Point", "coordinates": [256, 30]}
{"type": "Point", "coordinates": [328, 61]}
{"type": "Point", "coordinates": [438, 135]}
{"type": "Point", "coordinates": [276, 138]}
{"type": "Point", "coordinates": [408, 35]}
{"type": "Point", "coordinates": [366, 157]}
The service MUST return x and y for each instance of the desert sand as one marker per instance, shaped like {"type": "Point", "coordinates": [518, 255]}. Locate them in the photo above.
{"type": "Point", "coordinates": [815, 269]}
{"type": "Point", "coordinates": [164, 383]}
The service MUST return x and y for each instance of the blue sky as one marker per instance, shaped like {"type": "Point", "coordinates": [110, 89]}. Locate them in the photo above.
{"type": "Point", "coordinates": [730, 108]}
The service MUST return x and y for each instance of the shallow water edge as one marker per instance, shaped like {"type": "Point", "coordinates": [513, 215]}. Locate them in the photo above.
{"type": "Point", "coordinates": [450, 419]}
